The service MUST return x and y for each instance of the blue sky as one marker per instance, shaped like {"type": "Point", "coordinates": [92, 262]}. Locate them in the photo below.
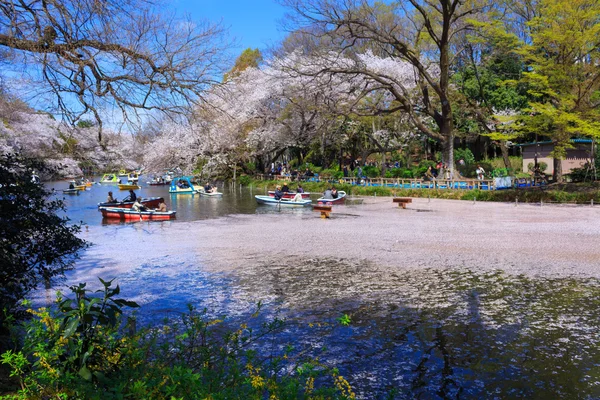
{"type": "Point", "coordinates": [253, 23]}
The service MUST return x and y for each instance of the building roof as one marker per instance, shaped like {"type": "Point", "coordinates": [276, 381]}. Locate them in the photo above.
{"type": "Point", "coordinates": [550, 142]}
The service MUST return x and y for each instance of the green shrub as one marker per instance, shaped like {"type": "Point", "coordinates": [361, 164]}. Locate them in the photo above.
{"type": "Point", "coordinates": [371, 171]}
{"type": "Point", "coordinates": [543, 166]}
{"type": "Point", "coordinates": [464, 154]}
{"type": "Point", "coordinates": [77, 350]}
{"type": "Point", "coordinates": [245, 180]}
{"type": "Point", "coordinates": [332, 173]}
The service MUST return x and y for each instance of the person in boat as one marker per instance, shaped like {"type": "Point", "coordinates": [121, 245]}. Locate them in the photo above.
{"type": "Point", "coordinates": [334, 193]}
{"type": "Point", "coordinates": [137, 206]}
{"type": "Point", "coordinates": [328, 194]}
{"type": "Point", "coordinates": [208, 188]}
{"type": "Point", "coordinates": [300, 189]}
{"type": "Point", "coordinates": [110, 198]}
{"type": "Point", "coordinates": [285, 188]}
{"type": "Point", "coordinates": [132, 196]}
{"type": "Point", "coordinates": [71, 186]}
{"type": "Point", "coordinates": [162, 207]}
{"type": "Point", "coordinates": [278, 193]}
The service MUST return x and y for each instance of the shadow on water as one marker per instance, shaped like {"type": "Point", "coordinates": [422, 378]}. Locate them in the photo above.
{"type": "Point", "coordinates": [441, 334]}
{"type": "Point", "coordinates": [428, 334]}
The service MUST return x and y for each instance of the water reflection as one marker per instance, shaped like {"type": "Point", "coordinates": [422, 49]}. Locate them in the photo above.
{"type": "Point", "coordinates": [427, 334]}
{"type": "Point", "coordinates": [443, 334]}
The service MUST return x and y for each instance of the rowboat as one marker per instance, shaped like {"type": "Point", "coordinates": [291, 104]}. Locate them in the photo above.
{"type": "Point", "coordinates": [127, 214]}
{"type": "Point", "coordinates": [283, 202]}
{"type": "Point", "coordinates": [109, 178]}
{"type": "Point", "coordinates": [212, 194]}
{"type": "Point", "coordinates": [71, 191]}
{"type": "Point", "coordinates": [290, 195]}
{"type": "Point", "coordinates": [149, 202]}
{"type": "Point", "coordinates": [204, 193]}
{"type": "Point", "coordinates": [338, 200]}
{"type": "Point", "coordinates": [182, 185]}
{"type": "Point", "coordinates": [128, 186]}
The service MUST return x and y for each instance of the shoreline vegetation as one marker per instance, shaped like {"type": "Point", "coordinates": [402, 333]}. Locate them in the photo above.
{"type": "Point", "coordinates": [574, 193]}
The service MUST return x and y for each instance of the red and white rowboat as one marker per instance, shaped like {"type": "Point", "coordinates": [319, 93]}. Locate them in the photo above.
{"type": "Point", "coordinates": [127, 214]}
{"type": "Point", "coordinates": [290, 195]}
{"type": "Point", "coordinates": [148, 202]}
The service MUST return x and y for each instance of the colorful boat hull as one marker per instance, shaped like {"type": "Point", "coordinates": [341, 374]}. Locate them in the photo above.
{"type": "Point", "coordinates": [127, 214]}
{"type": "Point", "coordinates": [70, 191]}
{"type": "Point", "coordinates": [268, 200]}
{"type": "Point", "coordinates": [109, 178]}
{"type": "Point", "coordinates": [128, 187]}
{"type": "Point", "coordinates": [341, 199]}
{"type": "Point", "coordinates": [149, 202]}
{"type": "Point", "coordinates": [214, 194]}
{"type": "Point", "coordinates": [290, 195]}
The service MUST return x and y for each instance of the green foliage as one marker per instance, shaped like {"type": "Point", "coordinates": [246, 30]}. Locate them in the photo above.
{"type": "Point", "coordinates": [371, 171]}
{"type": "Point", "coordinates": [464, 154]}
{"type": "Point", "coordinates": [85, 123]}
{"type": "Point", "coordinates": [250, 58]}
{"type": "Point", "coordinates": [37, 244]}
{"type": "Point", "coordinates": [244, 180]}
{"type": "Point", "coordinates": [344, 320]}
{"type": "Point", "coordinates": [543, 166]}
{"type": "Point", "coordinates": [250, 167]}
{"type": "Point", "coordinates": [331, 173]}
{"type": "Point", "coordinates": [77, 350]}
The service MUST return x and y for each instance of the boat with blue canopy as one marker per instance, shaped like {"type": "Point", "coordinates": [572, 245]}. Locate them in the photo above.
{"type": "Point", "coordinates": [182, 185]}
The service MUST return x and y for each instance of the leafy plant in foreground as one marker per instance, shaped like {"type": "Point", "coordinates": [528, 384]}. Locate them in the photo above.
{"type": "Point", "coordinates": [80, 350]}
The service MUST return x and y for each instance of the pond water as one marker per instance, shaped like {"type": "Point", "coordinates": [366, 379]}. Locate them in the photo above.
{"type": "Point", "coordinates": [235, 200]}
{"type": "Point", "coordinates": [448, 333]}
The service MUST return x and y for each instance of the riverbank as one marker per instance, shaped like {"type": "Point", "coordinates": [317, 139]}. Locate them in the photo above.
{"type": "Point", "coordinates": [576, 193]}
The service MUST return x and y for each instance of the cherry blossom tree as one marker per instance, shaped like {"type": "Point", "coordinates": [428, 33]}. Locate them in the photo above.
{"type": "Point", "coordinates": [89, 56]}
{"type": "Point", "coordinates": [416, 33]}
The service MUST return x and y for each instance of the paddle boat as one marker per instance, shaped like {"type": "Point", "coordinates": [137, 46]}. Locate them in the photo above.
{"type": "Point", "coordinates": [70, 191]}
{"type": "Point", "coordinates": [109, 178]}
{"type": "Point", "coordinates": [127, 214]}
{"type": "Point", "coordinates": [133, 177]}
{"type": "Point", "coordinates": [77, 185]}
{"type": "Point", "coordinates": [338, 200]}
{"type": "Point", "coordinates": [128, 186]}
{"type": "Point", "coordinates": [182, 185]}
{"type": "Point", "coordinates": [290, 195]}
{"type": "Point", "coordinates": [283, 202]}
{"type": "Point", "coordinates": [162, 181]}
{"type": "Point", "coordinates": [123, 174]}
{"type": "Point", "coordinates": [148, 202]}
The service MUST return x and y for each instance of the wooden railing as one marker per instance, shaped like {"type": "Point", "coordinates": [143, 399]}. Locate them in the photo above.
{"type": "Point", "coordinates": [399, 183]}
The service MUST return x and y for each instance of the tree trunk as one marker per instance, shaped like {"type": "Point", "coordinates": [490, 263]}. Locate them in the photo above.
{"type": "Point", "coordinates": [558, 175]}
{"type": "Point", "coordinates": [448, 153]}
{"type": "Point", "coordinates": [504, 149]}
